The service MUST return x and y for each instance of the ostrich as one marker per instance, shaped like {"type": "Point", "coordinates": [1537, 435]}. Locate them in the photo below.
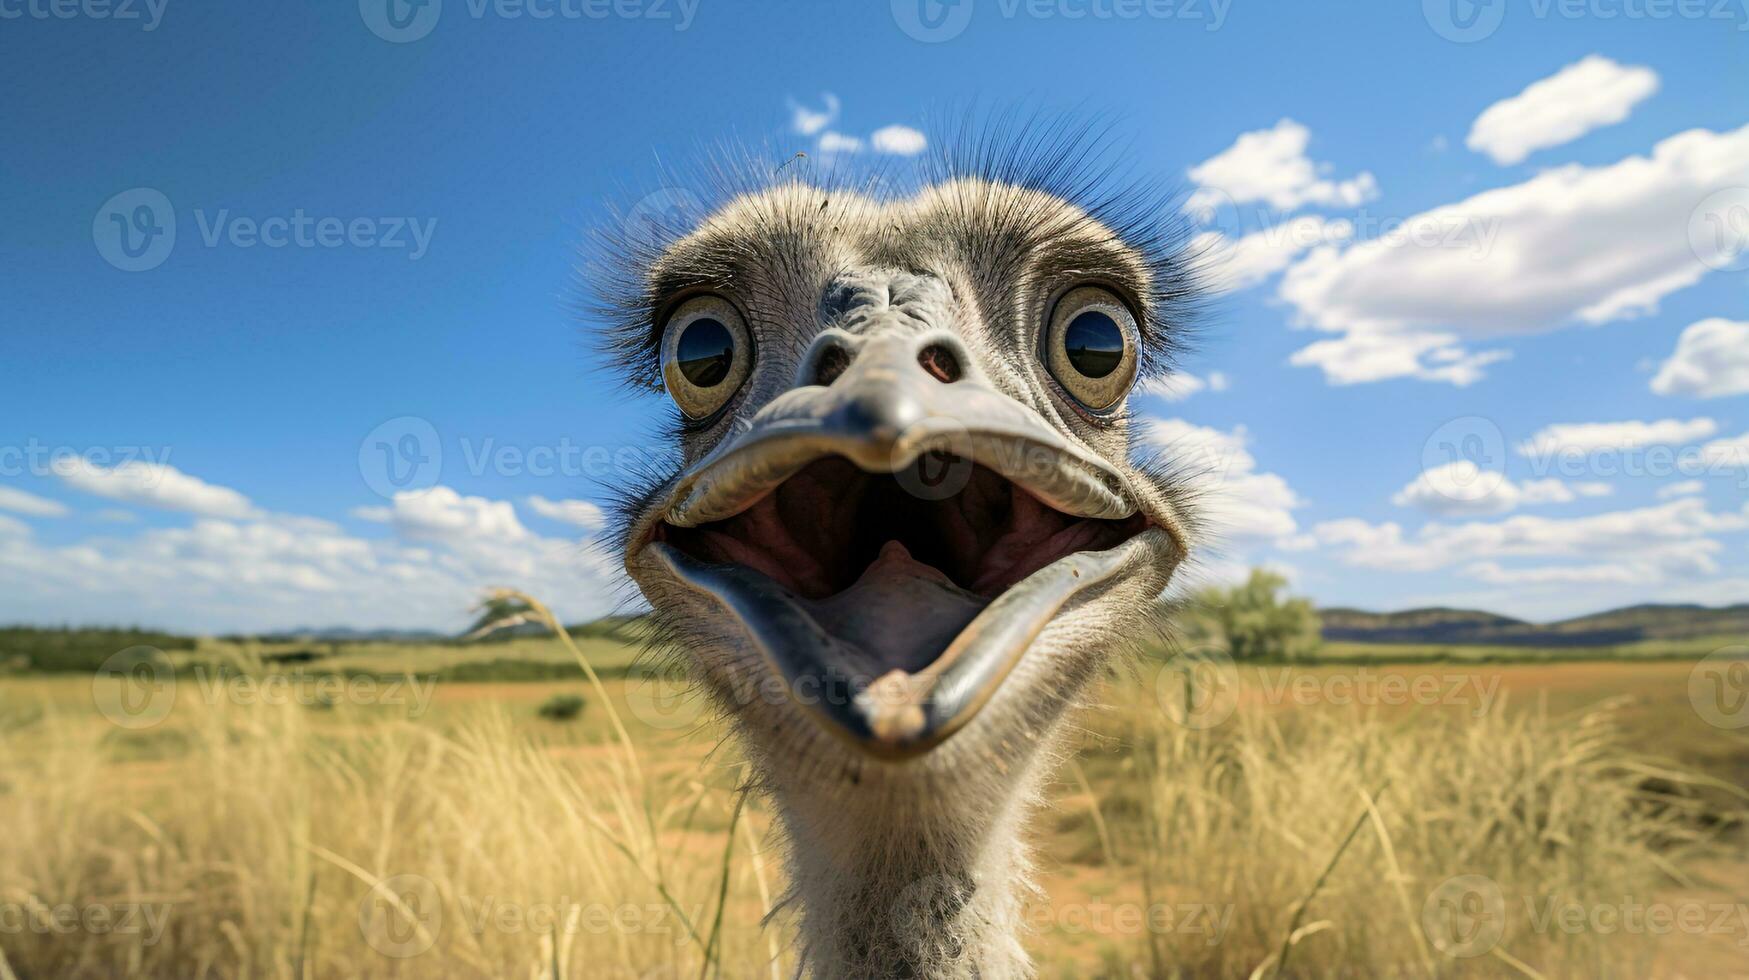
{"type": "Point", "coordinates": [905, 529]}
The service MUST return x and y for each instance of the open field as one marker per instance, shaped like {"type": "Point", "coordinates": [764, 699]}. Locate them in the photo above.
{"type": "Point", "coordinates": [1431, 819]}
{"type": "Point", "coordinates": [1339, 651]}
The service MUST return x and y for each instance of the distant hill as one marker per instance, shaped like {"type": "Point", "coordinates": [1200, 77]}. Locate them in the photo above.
{"type": "Point", "coordinates": [612, 627]}
{"type": "Point", "coordinates": [1418, 624]}
{"type": "Point", "coordinates": [629, 629]}
{"type": "Point", "coordinates": [346, 634]}
{"type": "Point", "coordinates": [1665, 622]}
{"type": "Point", "coordinates": [84, 648]}
{"type": "Point", "coordinates": [77, 648]}
{"type": "Point", "coordinates": [1631, 624]}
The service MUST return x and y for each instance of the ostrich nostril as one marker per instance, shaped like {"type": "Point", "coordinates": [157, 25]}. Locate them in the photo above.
{"type": "Point", "coordinates": [831, 363]}
{"type": "Point", "coordinates": [940, 362]}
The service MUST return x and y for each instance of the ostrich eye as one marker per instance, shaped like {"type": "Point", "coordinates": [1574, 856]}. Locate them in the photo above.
{"type": "Point", "coordinates": [707, 354]}
{"type": "Point", "coordinates": [1094, 343]}
{"type": "Point", "coordinates": [1090, 346]}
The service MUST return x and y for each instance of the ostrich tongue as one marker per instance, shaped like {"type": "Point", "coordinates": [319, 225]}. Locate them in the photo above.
{"type": "Point", "coordinates": [900, 614]}
{"type": "Point", "coordinates": [901, 659]}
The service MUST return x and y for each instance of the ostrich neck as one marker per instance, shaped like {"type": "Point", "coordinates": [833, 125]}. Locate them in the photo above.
{"type": "Point", "coordinates": [914, 881]}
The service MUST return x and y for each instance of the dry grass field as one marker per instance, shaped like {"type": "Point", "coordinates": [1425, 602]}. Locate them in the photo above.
{"type": "Point", "coordinates": [1571, 819]}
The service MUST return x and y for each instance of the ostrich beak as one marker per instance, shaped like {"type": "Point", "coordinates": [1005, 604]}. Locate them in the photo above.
{"type": "Point", "coordinates": [892, 544]}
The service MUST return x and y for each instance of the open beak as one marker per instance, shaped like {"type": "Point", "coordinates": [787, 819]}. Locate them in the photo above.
{"type": "Point", "coordinates": [892, 544]}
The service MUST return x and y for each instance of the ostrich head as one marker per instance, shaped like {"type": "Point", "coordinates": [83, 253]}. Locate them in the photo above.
{"type": "Point", "coordinates": [906, 529]}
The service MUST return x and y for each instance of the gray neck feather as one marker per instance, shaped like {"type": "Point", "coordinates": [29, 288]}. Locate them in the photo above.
{"type": "Point", "coordinates": [912, 882]}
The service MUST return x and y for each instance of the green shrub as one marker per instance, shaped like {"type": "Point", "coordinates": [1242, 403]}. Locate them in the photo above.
{"type": "Point", "coordinates": [562, 707]}
{"type": "Point", "coordinates": [1255, 622]}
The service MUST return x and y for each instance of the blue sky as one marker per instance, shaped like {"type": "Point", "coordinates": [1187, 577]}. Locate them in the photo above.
{"type": "Point", "coordinates": [1468, 352]}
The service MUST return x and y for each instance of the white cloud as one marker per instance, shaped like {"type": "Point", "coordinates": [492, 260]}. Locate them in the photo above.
{"type": "Point", "coordinates": [899, 140]}
{"type": "Point", "coordinates": [1219, 571]}
{"type": "Point", "coordinates": [580, 513]}
{"type": "Point", "coordinates": [1242, 503]}
{"type": "Point", "coordinates": [1728, 454]}
{"type": "Point", "coordinates": [1179, 385]}
{"type": "Point", "coordinates": [893, 139]}
{"type": "Point", "coordinates": [1581, 97]}
{"type": "Point", "coordinates": [13, 527]}
{"type": "Point", "coordinates": [20, 502]}
{"type": "Point", "coordinates": [1459, 487]}
{"type": "Point", "coordinates": [115, 515]}
{"type": "Point", "coordinates": [1359, 358]}
{"type": "Point", "coordinates": [1233, 265]}
{"type": "Point", "coordinates": [1271, 165]}
{"type": "Point", "coordinates": [1201, 449]}
{"type": "Point", "coordinates": [1174, 387]}
{"type": "Point", "coordinates": [441, 514]}
{"type": "Point", "coordinates": [1547, 491]}
{"type": "Point", "coordinates": [1723, 591]}
{"type": "Point", "coordinates": [1571, 245]}
{"type": "Point", "coordinates": [832, 141]}
{"type": "Point", "coordinates": [279, 571]}
{"type": "Point", "coordinates": [153, 485]}
{"type": "Point", "coordinates": [1592, 436]}
{"type": "Point", "coordinates": [808, 121]}
{"type": "Point", "coordinates": [1609, 573]}
{"type": "Point", "coordinates": [1711, 361]}
{"type": "Point", "coordinates": [1463, 489]}
{"type": "Point", "coordinates": [1673, 539]}
{"type": "Point", "coordinates": [1682, 488]}
{"type": "Point", "coordinates": [1640, 299]}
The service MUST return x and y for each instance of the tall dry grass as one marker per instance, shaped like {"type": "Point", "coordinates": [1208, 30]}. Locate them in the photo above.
{"type": "Point", "coordinates": [291, 842]}
{"type": "Point", "coordinates": [281, 841]}
{"type": "Point", "coordinates": [283, 844]}
{"type": "Point", "coordinates": [1359, 844]}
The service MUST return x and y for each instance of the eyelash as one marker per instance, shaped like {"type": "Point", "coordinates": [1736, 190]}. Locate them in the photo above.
{"type": "Point", "coordinates": [663, 309]}
{"type": "Point", "coordinates": [1119, 412]}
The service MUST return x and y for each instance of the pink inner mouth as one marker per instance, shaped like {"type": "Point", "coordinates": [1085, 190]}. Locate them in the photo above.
{"type": "Point", "coordinates": [833, 526]}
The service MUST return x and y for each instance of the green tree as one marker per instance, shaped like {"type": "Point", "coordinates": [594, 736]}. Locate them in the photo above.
{"type": "Point", "coordinates": [1257, 621]}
